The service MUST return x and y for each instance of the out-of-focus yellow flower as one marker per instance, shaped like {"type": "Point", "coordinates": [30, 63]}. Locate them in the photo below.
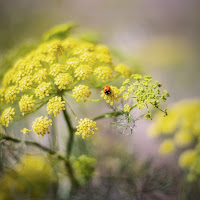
{"type": "Point", "coordinates": [54, 105]}
{"type": "Point", "coordinates": [127, 108]}
{"type": "Point", "coordinates": [83, 72]}
{"type": "Point", "coordinates": [123, 70]}
{"type": "Point", "coordinates": [183, 138]}
{"type": "Point", "coordinates": [86, 128]}
{"type": "Point", "coordinates": [7, 116]}
{"type": "Point", "coordinates": [41, 125]}
{"type": "Point", "coordinates": [81, 92]}
{"type": "Point", "coordinates": [103, 72]}
{"type": "Point", "coordinates": [63, 80]}
{"type": "Point", "coordinates": [25, 131]}
{"type": "Point", "coordinates": [187, 158]}
{"type": "Point", "coordinates": [26, 104]}
{"type": "Point", "coordinates": [114, 95]}
{"type": "Point", "coordinates": [167, 147]}
{"type": "Point", "coordinates": [43, 90]}
{"type": "Point", "coordinates": [11, 94]}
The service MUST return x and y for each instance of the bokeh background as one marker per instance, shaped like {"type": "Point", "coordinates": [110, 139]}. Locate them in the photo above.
{"type": "Point", "coordinates": [156, 37]}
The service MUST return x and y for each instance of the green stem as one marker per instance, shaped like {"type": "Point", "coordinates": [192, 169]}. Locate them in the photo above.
{"type": "Point", "coordinates": [35, 144]}
{"type": "Point", "coordinates": [109, 115]}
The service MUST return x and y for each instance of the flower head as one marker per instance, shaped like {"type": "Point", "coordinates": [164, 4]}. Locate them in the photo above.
{"type": "Point", "coordinates": [25, 131]}
{"type": "Point", "coordinates": [41, 125]}
{"type": "Point", "coordinates": [127, 108]}
{"type": "Point", "coordinates": [2, 91]}
{"type": "Point", "coordinates": [86, 128]}
{"type": "Point", "coordinates": [63, 80]}
{"type": "Point", "coordinates": [81, 92]}
{"type": "Point", "coordinates": [54, 105]}
{"type": "Point", "coordinates": [103, 72]}
{"type": "Point", "coordinates": [7, 116]}
{"type": "Point", "coordinates": [167, 147]}
{"type": "Point", "coordinates": [26, 103]}
{"type": "Point", "coordinates": [114, 95]}
{"type": "Point", "coordinates": [43, 90]}
{"type": "Point", "coordinates": [11, 94]}
{"type": "Point", "coordinates": [123, 70]}
{"type": "Point", "coordinates": [25, 83]}
{"type": "Point", "coordinates": [83, 72]}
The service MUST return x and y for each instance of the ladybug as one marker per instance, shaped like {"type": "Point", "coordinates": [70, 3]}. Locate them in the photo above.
{"type": "Point", "coordinates": [106, 90]}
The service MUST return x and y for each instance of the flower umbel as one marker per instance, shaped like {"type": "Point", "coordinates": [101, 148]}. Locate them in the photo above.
{"type": "Point", "coordinates": [86, 128]}
{"type": "Point", "coordinates": [54, 105]}
{"type": "Point", "coordinates": [26, 104]}
{"type": "Point", "coordinates": [43, 90]}
{"type": "Point", "coordinates": [81, 92]}
{"type": "Point", "coordinates": [41, 125]}
{"type": "Point", "coordinates": [7, 116]}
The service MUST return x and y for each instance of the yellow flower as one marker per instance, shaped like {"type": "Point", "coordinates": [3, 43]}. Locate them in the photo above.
{"type": "Point", "coordinates": [126, 96]}
{"type": "Point", "coordinates": [7, 116]}
{"type": "Point", "coordinates": [127, 108]}
{"type": "Point", "coordinates": [25, 131]}
{"type": "Point", "coordinates": [103, 72]}
{"type": "Point", "coordinates": [40, 125]}
{"type": "Point", "coordinates": [187, 158]}
{"type": "Point", "coordinates": [54, 105]}
{"type": "Point", "coordinates": [55, 69]}
{"type": "Point", "coordinates": [83, 72]}
{"type": "Point", "coordinates": [114, 95]}
{"type": "Point", "coordinates": [63, 80]}
{"type": "Point", "coordinates": [123, 70]}
{"type": "Point", "coordinates": [72, 63]}
{"type": "Point", "coordinates": [86, 128]}
{"type": "Point", "coordinates": [25, 83]}
{"type": "Point", "coordinates": [43, 90]}
{"type": "Point", "coordinates": [11, 94]}
{"type": "Point", "coordinates": [183, 138]}
{"type": "Point", "coordinates": [40, 76]}
{"type": "Point", "coordinates": [26, 104]}
{"type": "Point", "coordinates": [126, 82]}
{"type": "Point", "coordinates": [81, 92]}
{"type": "Point", "coordinates": [167, 147]}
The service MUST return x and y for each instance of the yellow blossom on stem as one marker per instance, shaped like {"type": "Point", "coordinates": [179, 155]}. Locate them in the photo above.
{"type": "Point", "coordinates": [114, 95]}
{"type": "Point", "coordinates": [40, 76]}
{"type": "Point", "coordinates": [43, 90]}
{"type": "Point", "coordinates": [55, 69]}
{"type": "Point", "coordinates": [41, 125]}
{"type": "Point", "coordinates": [86, 128]}
{"type": "Point", "coordinates": [26, 104]}
{"type": "Point", "coordinates": [54, 105]}
{"type": "Point", "coordinates": [127, 108]}
{"type": "Point", "coordinates": [25, 131]}
{"type": "Point", "coordinates": [63, 80]}
{"type": "Point", "coordinates": [7, 116]}
{"type": "Point", "coordinates": [81, 92]}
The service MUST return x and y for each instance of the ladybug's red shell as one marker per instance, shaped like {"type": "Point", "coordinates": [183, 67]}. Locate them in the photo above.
{"type": "Point", "coordinates": [107, 90]}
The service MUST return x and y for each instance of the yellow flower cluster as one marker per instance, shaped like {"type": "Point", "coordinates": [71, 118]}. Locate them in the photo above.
{"type": "Point", "coordinates": [7, 116]}
{"type": "Point", "coordinates": [81, 92]}
{"type": "Point", "coordinates": [11, 94]}
{"type": "Point", "coordinates": [127, 108]}
{"type": "Point", "coordinates": [123, 70]}
{"type": "Point", "coordinates": [86, 128]}
{"type": "Point", "coordinates": [1, 96]}
{"type": "Point", "coordinates": [26, 104]}
{"type": "Point", "coordinates": [83, 72]}
{"type": "Point", "coordinates": [114, 95]}
{"type": "Point", "coordinates": [63, 80]}
{"type": "Point", "coordinates": [103, 72]}
{"type": "Point", "coordinates": [43, 90]}
{"type": "Point", "coordinates": [54, 105]}
{"type": "Point", "coordinates": [41, 125]}
{"type": "Point", "coordinates": [182, 129]}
